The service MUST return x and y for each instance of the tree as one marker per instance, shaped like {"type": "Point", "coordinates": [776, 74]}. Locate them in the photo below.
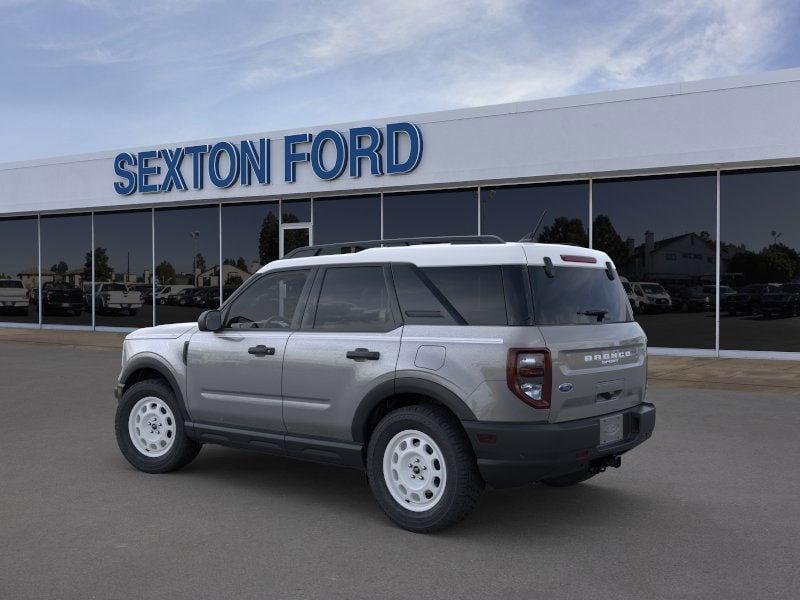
{"type": "Point", "coordinates": [606, 238]}
{"type": "Point", "coordinates": [59, 268]}
{"type": "Point", "coordinates": [268, 240]}
{"type": "Point", "coordinates": [165, 273]}
{"type": "Point", "coordinates": [199, 262]}
{"type": "Point", "coordinates": [241, 264]}
{"type": "Point", "coordinates": [102, 270]}
{"type": "Point", "coordinates": [564, 231]}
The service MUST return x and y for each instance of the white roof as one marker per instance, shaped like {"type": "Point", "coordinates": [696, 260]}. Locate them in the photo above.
{"type": "Point", "coordinates": [446, 255]}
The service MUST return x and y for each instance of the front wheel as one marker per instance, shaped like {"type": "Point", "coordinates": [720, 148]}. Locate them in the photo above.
{"type": "Point", "coordinates": [422, 470]}
{"type": "Point", "coordinates": [150, 431]}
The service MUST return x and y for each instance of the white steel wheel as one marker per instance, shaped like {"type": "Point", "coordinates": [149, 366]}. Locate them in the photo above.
{"type": "Point", "coordinates": [414, 470]}
{"type": "Point", "coordinates": [151, 426]}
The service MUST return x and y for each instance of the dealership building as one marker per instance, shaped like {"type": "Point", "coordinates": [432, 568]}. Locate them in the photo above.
{"type": "Point", "coordinates": [692, 188]}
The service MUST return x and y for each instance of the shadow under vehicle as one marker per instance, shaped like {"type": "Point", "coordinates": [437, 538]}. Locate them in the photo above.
{"type": "Point", "coordinates": [747, 301]}
{"type": "Point", "coordinates": [14, 298]}
{"type": "Point", "coordinates": [690, 299]}
{"type": "Point", "coordinates": [785, 301]}
{"type": "Point", "coordinates": [62, 298]}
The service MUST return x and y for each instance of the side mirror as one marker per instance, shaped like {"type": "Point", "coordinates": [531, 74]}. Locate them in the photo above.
{"type": "Point", "coordinates": [210, 320]}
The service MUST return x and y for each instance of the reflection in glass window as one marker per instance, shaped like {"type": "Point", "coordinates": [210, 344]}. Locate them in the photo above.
{"type": "Point", "coordinates": [269, 303]}
{"type": "Point", "coordinates": [296, 211]}
{"type": "Point", "coordinates": [653, 228]}
{"type": "Point", "coordinates": [19, 270]}
{"type": "Point", "coordinates": [354, 299]}
{"type": "Point", "coordinates": [187, 262]}
{"type": "Point", "coordinates": [123, 266]}
{"type": "Point", "coordinates": [422, 214]}
{"type": "Point", "coordinates": [759, 255]}
{"type": "Point", "coordinates": [349, 219]}
{"type": "Point", "coordinates": [249, 241]}
{"type": "Point", "coordinates": [475, 292]}
{"type": "Point", "coordinates": [67, 269]}
{"type": "Point", "coordinates": [512, 212]}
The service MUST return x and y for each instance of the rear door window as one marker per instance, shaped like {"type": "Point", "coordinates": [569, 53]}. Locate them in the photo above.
{"type": "Point", "coordinates": [577, 296]}
{"type": "Point", "coordinates": [354, 299]}
{"type": "Point", "coordinates": [475, 292]}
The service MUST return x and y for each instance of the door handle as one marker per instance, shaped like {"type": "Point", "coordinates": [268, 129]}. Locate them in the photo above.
{"type": "Point", "coordinates": [363, 354]}
{"type": "Point", "coordinates": [261, 350]}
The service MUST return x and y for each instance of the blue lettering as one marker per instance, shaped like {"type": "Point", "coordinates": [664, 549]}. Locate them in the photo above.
{"type": "Point", "coordinates": [393, 132]}
{"type": "Point", "coordinates": [197, 153]}
{"type": "Point", "coordinates": [254, 162]}
{"type": "Point", "coordinates": [146, 170]}
{"type": "Point", "coordinates": [371, 151]}
{"type": "Point", "coordinates": [317, 149]}
{"type": "Point", "coordinates": [122, 159]}
{"type": "Point", "coordinates": [173, 176]}
{"type": "Point", "coordinates": [213, 164]}
{"type": "Point", "coordinates": [290, 157]}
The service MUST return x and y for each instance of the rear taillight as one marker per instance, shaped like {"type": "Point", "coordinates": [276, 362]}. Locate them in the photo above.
{"type": "Point", "coordinates": [528, 376]}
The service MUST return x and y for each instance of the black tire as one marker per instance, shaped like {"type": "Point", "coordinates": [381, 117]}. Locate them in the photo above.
{"type": "Point", "coordinates": [183, 450]}
{"type": "Point", "coordinates": [463, 482]}
{"type": "Point", "coordinates": [568, 479]}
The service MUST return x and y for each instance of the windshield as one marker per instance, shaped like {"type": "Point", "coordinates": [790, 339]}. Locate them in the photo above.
{"type": "Point", "coordinates": [577, 296]}
{"type": "Point", "coordinates": [653, 288]}
{"type": "Point", "coordinates": [10, 283]}
{"type": "Point", "coordinates": [627, 287]}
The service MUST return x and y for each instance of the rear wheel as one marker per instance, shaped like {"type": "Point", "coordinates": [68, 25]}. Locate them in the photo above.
{"type": "Point", "coordinates": [150, 431]}
{"type": "Point", "coordinates": [568, 479]}
{"type": "Point", "coordinates": [422, 470]}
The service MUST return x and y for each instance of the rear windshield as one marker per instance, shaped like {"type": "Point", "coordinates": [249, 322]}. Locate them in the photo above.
{"type": "Point", "coordinates": [577, 296]}
{"type": "Point", "coordinates": [10, 283]}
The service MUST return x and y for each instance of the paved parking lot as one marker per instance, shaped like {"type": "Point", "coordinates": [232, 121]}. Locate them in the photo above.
{"type": "Point", "coordinates": [706, 509]}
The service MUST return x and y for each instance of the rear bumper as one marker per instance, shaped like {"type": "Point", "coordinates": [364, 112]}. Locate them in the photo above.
{"type": "Point", "coordinates": [527, 452]}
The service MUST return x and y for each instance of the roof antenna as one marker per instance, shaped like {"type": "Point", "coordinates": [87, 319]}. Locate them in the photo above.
{"type": "Point", "coordinates": [529, 236]}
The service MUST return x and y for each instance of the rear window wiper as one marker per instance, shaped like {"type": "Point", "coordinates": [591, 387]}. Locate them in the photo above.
{"type": "Point", "coordinates": [598, 312]}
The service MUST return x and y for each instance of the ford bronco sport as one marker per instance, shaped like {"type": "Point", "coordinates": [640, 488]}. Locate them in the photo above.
{"type": "Point", "coordinates": [435, 365]}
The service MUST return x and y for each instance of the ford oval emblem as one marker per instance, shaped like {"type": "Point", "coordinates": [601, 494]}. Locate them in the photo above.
{"type": "Point", "coordinates": [565, 387]}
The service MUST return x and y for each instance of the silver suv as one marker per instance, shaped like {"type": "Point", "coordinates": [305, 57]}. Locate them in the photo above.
{"type": "Point", "coordinates": [435, 365]}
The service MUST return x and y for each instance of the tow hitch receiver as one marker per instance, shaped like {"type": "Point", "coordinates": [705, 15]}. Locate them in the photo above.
{"type": "Point", "coordinates": [601, 464]}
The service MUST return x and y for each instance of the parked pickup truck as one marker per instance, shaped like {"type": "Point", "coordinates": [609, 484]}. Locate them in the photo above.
{"type": "Point", "coordinates": [115, 298]}
{"type": "Point", "coordinates": [14, 298]}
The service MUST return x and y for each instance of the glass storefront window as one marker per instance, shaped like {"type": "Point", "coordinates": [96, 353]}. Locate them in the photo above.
{"type": "Point", "coordinates": [123, 266]}
{"type": "Point", "coordinates": [249, 241]}
{"type": "Point", "coordinates": [352, 218]}
{"type": "Point", "coordinates": [187, 262]}
{"type": "Point", "coordinates": [512, 212]}
{"type": "Point", "coordinates": [296, 211]}
{"type": "Point", "coordinates": [760, 260]}
{"type": "Point", "coordinates": [659, 231]}
{"type": "Point", "coordinates": [67, 269]}
{"type": "Point", "coordinates": [423, 214]}
{"type": "Point", "coordinates": [19, 270]}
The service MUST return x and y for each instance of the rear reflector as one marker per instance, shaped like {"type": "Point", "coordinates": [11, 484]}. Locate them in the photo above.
{"type": "Point", "coordinates": [578, 258]}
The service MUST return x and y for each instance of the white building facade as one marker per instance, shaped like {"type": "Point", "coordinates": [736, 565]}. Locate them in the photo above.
{"type": "Point", "coordinates": [686, 185]}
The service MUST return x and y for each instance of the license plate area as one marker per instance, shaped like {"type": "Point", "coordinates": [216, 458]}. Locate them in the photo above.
{"type": "Point", "coordinates": [612, 429]}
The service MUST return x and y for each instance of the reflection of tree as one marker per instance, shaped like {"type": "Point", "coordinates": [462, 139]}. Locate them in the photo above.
{"type": "Point", "coordinates": [102, 270]}
{"type": "Point", "coordinates": [200, 262]}
{"type": "Point", "coordinates": [564, 231]}
{"type": "Point", "coordinates": [239, 263]}
{"type": "Point", "coordinates": [268, 239]}
{"type": "Point", "coordinates": [60, 268]}
{"type": "Point", "coordinates": [165, 273]}
{"type": "Point", "coordinates": [776, 263]}
{"type": "Point", "coordinates": [606, 238]}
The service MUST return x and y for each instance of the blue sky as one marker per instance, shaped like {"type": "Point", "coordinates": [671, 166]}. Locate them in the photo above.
{"type": "Point", "coordinates": [89, 75]}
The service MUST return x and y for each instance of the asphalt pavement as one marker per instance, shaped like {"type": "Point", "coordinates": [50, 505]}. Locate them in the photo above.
{"type": "Point", "coordinates": [708, 508]}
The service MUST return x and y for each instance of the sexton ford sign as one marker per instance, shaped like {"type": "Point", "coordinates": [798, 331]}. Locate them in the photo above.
{"type": "Point", "coordinates": [224, 164]}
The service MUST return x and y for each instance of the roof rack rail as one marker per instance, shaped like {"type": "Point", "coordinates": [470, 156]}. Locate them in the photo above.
{"type": "Point", "coordinates": [350, 247]}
